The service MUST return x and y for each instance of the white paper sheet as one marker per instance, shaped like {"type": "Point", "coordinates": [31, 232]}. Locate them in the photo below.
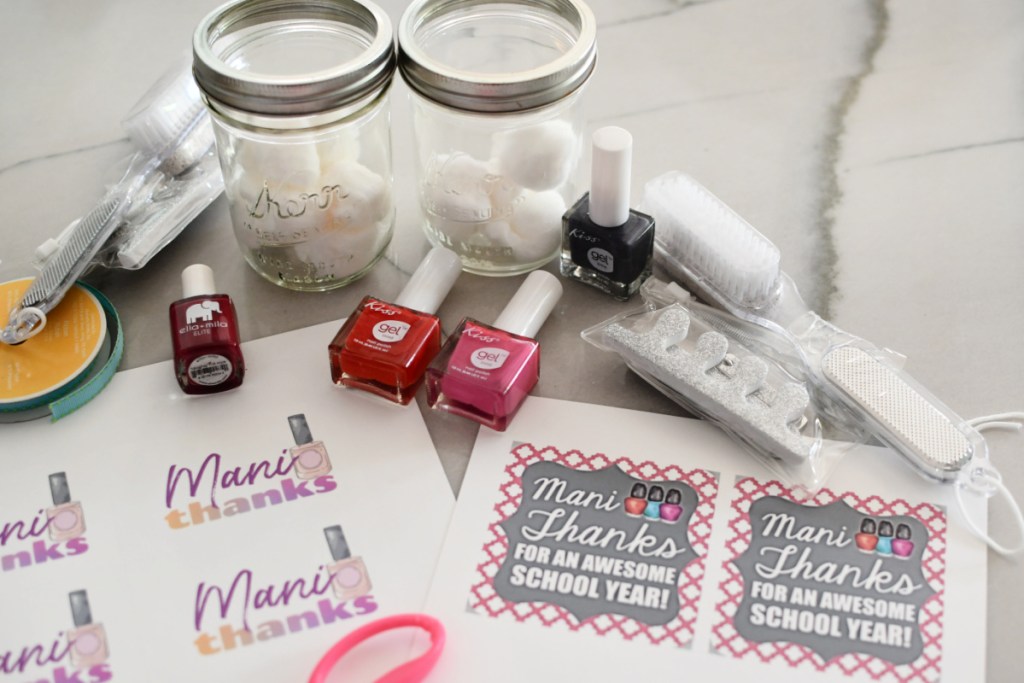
{"type": "Point", "coordinates": [529, 637]}
{"type": "Point", "coordinates": [151, 552]}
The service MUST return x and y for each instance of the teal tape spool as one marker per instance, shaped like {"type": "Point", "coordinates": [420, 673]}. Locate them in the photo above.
{"type": "Point", "coordinates": [83, 388]}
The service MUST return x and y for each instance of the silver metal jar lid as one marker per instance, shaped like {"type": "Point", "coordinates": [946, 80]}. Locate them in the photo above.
{"type": "Point", "coordinates": [483, 91]}
{"type": "Point", "coordinates": [226, 75]}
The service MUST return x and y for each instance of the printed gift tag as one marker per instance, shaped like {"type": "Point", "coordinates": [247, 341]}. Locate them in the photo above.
{"type": "Point", "coordinates": [597, 544]}
{"type": "Point", "coordinates": [842, 582]}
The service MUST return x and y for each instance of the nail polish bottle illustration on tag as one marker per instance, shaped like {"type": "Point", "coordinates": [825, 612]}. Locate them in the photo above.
{"type": "Point", "coordinates": [671, 510]}
{"type": "Point", "coordinates": [884, 546]}
{"type": "Point", "coordinates": [866, 540]}
{"type": "Point", "coordinates": [485, 372]}
{"type": "Point", "coordinates": [637, 501]}
{"type": "Point", "coordinates": [655, 497]}
{"type": "Point", "coordinates": [204, 333]}
{"type": "Point", "coordinates": [65, 517]}
{"type": "Point", "coordinates": [350, 577]}
{"type": "Point", "coordinates": [605, 243]}
{"type": "Point", "coordinates": [384, 348]}
{"type": "Point", "coordinates": [902, 546]}
{"type": "Point", "coordinates": [310, 457]}
{"type": "Point", "coordinates": [87, 641]}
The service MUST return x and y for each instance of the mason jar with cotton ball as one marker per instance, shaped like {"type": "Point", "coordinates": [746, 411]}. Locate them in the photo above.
{"type": "Point", "coordinates": [497, 117]}
{"type": "Point", "coordinates": [298, 93]}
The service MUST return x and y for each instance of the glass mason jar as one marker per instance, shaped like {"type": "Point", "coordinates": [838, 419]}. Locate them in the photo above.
{"type": "Point", "coordinates": [298, 96]}
{"type": "Point", "coordinates": [497, 116]}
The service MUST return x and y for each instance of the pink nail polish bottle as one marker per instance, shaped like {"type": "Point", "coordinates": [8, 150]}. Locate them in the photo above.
{"type": "Point", "coordinates": [384, 348]}
{"type": "Point", "coordinates": [310, 457]}
{"type": "Point", "coordinates": [87, 641]}
{"type": "Point", "coordinates": [351, 579]}
{"type": "Point", "coordinates": [902, 546]}
{"type": "Point", "coordinates": [204, 333]}
{"type": "Point", "coordinates": [671, 510]}
{"type": "Point", "coordinates": [485, 372]}
{"type": "Point", "coordinates": [66, 518]}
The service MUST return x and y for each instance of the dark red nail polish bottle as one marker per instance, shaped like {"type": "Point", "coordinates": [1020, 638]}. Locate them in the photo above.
{"type": "Point", "coordinates": [204, 332]}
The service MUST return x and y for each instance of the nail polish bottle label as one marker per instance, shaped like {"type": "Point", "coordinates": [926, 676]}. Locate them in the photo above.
{"type": "Point", "coordinates": [483, 373]}
{"type": "Point", "coordinates": [384, 349]}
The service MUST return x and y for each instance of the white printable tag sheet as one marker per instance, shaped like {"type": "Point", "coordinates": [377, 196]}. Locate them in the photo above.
{"type": "Point", "coordinates": [595, 543]}
{"type": "Point", "coordinates": [158, 537]}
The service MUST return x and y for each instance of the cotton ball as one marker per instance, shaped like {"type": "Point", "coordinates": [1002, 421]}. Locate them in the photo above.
{"type": "Point", "coordinates": [342, 253]}
{"type": "Point", "coordinates": [538, 157]}
{"type": "Point", "coordinates": [454, 195]}
{"type": "Point", "coordinates": [275, 163]}
{"type": "Point", "coordinates": [500, 234]}
{"type": "Point", "coordinates": [357, 196]}
{"type": "Point", "coordinates": [343, 145]}
{"type": "Point", "coordinates": [538, 223]}
{"type": "Point", "coordinates": [502, 190]}
{"type": "Point", "coordinates": [273, 182]}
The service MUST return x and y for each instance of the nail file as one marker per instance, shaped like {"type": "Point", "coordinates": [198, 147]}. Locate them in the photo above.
{"type": "Point", "coordinates": [731, 265]}
{"type": "Point", "coordinates": [921, 429]}
{"type": "Point", "coordinates": [64, 267]}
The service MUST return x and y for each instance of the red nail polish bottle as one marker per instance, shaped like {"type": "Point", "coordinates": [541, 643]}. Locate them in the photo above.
{"type": "Point", "coordinates": [384, 348]}
{"type": "Point", "coordinates": [866, 540]}
{"type": "Point", "coordinates": [637, 501]}
{"type": "Point", "coordinates": [204, 333]}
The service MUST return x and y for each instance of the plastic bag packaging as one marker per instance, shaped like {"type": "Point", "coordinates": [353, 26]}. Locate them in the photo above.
{"type": "Point", "coordinates": [168, 122]}
{"type": "Point", "coordinates": [739, 376]}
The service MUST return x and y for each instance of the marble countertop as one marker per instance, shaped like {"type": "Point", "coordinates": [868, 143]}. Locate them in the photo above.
{"type": "Point", "coordinates": [879, 144]}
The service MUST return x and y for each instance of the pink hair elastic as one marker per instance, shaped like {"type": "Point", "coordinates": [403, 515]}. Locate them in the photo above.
{"type": "Point", "coordinates": [413, 671]}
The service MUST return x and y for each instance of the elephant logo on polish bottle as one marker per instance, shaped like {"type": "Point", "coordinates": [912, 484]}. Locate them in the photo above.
{"type": "Point", "coordinates": [202, 310]}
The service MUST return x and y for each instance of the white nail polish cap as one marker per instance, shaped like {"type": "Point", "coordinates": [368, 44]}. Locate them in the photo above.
{"type": "Point", "coordinates": [197, 280]}
{"type": "Point", "coordinates": [431, 281]}
{"type": "Point", "coordinates": [609, 176]}
{"type": "Point", "coordinates": [527, 310]}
